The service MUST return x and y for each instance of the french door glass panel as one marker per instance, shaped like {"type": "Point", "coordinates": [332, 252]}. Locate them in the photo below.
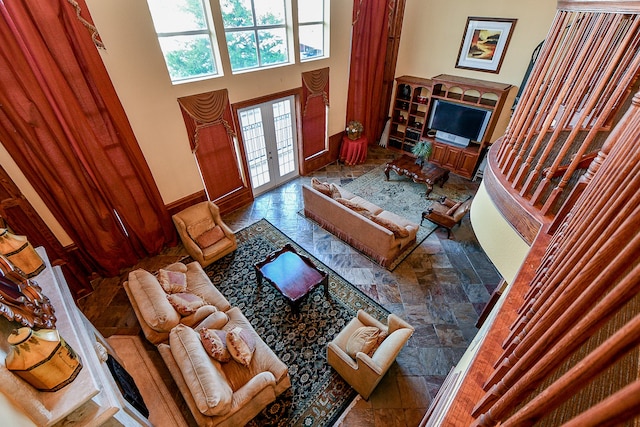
{"type": "Point", "coordinates": [268, 132]}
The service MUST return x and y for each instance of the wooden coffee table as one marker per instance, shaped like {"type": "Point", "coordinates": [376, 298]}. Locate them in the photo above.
{"type": "Point", "coordinates": [294, 275]}
{"type": "Point", "coordinates": [428, 174]}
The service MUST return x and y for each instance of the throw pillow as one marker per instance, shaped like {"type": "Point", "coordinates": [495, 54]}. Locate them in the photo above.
{"type": "Point", "coordinates": [322, 187]}
{"type": "Point", "coordinates": [215, 342]}
{"type": "Point", "coordinates": [185, 303]}
{"type": "Point", "coordinates": [172, 281]}
{"type": "Point", "coordinates": [396, 229]}
{"type": "Point", "coordinates": [353, 206]}
{"type": "Point", "coordinates": [210, 237]}
{"type": "Point", "coordinates": [365, 339]}
{"type": "Point", "coordinates": [241, 345]}
{"type": "Point", "coordinates": [335, 191]}
{"type": "Point", "coordinates": [197, 228]}
{"type": "Point", "coordinates": [453, 209]}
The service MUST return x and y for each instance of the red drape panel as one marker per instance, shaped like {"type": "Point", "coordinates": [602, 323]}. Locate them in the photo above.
{"type": "Point", "coordinates": [209, 122]}
{"type": "Point", "coordinates": [315, 100]}
{"type": "Point", "coordinates": [368, 53]}
{"type": "Point", "coordinates": [63, 124]}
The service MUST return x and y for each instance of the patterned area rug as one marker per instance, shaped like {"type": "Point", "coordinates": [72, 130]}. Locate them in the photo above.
{"type": "Point", "coordinates": [318, 395]}
{"type": "Point", "coordinates": [404, 197]}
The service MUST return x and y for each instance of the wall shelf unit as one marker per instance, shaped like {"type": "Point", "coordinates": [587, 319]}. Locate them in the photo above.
{"type": "Point", "coordinates": [410, 110]}
{"type": "Point", "coordinates": [412, 106]}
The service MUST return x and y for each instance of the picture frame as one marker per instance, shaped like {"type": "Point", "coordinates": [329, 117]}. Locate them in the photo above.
{"type": "Point", "coordinates": [484, 43]}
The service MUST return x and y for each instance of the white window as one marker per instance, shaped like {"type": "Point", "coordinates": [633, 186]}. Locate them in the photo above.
{"type": "Point", "coordinates": [256, 33]}
{"type": "Point", "coordinates": [186, 38]}
{"type": "Point", "coordinates": [311, 29]}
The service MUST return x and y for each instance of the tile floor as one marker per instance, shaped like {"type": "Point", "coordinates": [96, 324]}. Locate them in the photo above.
{"type": "Point", "coordinates": [440, 289]}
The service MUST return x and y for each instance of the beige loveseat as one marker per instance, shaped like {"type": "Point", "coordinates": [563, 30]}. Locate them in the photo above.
{"type": "Point", "coordinates": [355, 223]}
{"type": "Point", "coordinates": [223, 394]}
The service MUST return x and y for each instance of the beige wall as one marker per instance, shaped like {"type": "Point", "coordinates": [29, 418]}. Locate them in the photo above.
{"type": "Point", "coordinates": [502, 244]}
{"type": "Point", "coordinates": [135, 64]}
{"type": "Point", "coordinates": [432, 32]}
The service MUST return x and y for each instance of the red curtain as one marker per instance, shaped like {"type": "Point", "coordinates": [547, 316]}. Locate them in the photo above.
{"type": "Point", "coordinates": [209, 123]}
{"type": "Point", "coordinates": [315, 100]}
{"type": "Point", "coordinates": [63, 124]}
{"type": "Point", "coordinates": [368, 54]}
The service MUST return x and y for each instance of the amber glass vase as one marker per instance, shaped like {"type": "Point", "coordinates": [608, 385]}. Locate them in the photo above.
{"type": "Point", "coordinates": [42, 358]}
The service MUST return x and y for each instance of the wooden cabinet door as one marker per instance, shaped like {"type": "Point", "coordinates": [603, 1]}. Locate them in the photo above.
{"type": "Point", "coordinates": [451, 158]}
{"type": "Point", "coordinates": [438, 153]}
{"type": "Point", "coordinates": [466, 164]}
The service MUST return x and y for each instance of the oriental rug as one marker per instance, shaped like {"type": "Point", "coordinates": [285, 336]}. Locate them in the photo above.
{"type": "Point", "coordinates": [318, 395]}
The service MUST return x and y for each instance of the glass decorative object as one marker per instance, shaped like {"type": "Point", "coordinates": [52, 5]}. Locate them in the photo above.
{"type": "Point", "coordinates": [42, 358]}
{"type": "Point", "coordinates": [22, 300]}
{"type": "Point", "coordinates": [20, 253]}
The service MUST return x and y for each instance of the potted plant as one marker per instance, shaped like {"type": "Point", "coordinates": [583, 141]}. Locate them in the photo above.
{"type": "Point", "coordinates": [422, 151]}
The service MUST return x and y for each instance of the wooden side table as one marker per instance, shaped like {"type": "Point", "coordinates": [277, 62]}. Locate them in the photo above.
{"type": "Point", "coordinates": [353, 151]}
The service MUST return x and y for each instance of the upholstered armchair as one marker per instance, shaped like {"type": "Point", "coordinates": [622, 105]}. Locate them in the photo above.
{"type": "Point", "coordinates": [364, 371]}
{"type": "Point", "coordinates": [205, 237]}
{"type": "Point", "coordinates": [447, 213]}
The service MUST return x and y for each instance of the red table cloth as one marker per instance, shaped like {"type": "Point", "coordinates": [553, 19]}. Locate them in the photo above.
{"type": "Point", "coordinates": [353, 151]}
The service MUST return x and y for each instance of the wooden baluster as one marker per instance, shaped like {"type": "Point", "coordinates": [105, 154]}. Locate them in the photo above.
{"type": "Point", "coordinates": [537, 363]}
{"type": "Point", "coordinates": [588, 239]}
{"type": "Point", "coordinates": [579, 30]}
{"type": "Point", "coordinates": [619, 344]}
{"type": "Point", "coordinates": [530, 97]}
{"type": "Point", "coordinates": [537, 356]}
{"type": "Point", "coordinates": [550, 286]}
{"type": "Point", "coordinates": [584, 85]}
{"type": "Point", "coordinates": [568, 98]}
{"type": "Point", "coordinates": [629, 68]}
{"type": "Point", "coordinates": [616, 409]}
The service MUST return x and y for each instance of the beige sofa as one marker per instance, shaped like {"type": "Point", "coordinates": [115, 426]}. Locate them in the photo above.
{"type": "Point", "coordinates": [357, 226]}
{"type": "Point", "coordinates": [223, 394]}
{"type": "Point", "coordinates": [154, 312]}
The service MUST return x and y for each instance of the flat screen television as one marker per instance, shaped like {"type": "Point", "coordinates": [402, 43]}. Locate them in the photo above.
{"type": "Point", "coordinates": [457, 123]}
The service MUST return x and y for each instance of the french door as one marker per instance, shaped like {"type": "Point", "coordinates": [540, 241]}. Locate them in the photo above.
{"type": "Point", "coordinates": [269, 135]}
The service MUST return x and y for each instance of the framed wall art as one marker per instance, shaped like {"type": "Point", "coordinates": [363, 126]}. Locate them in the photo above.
{"type": "Point", "coordinates": [484, 43]}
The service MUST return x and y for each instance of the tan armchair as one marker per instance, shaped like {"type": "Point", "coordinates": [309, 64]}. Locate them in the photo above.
{"type": "Point", "coordinates": [365, 372]}
{"type": "Point", "coordinates": [447, 213]}
{"type": "Point", "coordinates": [205, 237]}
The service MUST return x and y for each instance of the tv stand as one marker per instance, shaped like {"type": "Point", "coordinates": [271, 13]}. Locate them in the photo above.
{"type": "Point", "coordinates": [412, 105]}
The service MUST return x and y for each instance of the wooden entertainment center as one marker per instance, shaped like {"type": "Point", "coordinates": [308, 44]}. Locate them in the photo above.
{"type": "Point", "coordinates": [412, 105]}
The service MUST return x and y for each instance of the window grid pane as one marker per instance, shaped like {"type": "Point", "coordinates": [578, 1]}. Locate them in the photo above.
{"type": "Point", "coordinates": [310, 11]}
{"type": "Point", "coordinates": [243, 50]}
{"type": "Point", "coordinates": [284, 137]}
{"type": "Point", "coordinates": [185, 38]}
{"type": "Point", "coordinates": [273, 46]}
{"type": "Point", "coordinates": [253, 132]}
{"type": "Point", "coordinates": [236, 14]}
{"type": "Point", "coordinates": [311, 41]}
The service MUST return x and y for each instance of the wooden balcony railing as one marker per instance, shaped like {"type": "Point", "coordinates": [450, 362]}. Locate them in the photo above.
{"type": "Point", "coordinates": [578, 89]}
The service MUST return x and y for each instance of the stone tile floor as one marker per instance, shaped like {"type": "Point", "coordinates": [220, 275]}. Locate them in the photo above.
{"type": "Point", "coordinates": [441, 288]}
